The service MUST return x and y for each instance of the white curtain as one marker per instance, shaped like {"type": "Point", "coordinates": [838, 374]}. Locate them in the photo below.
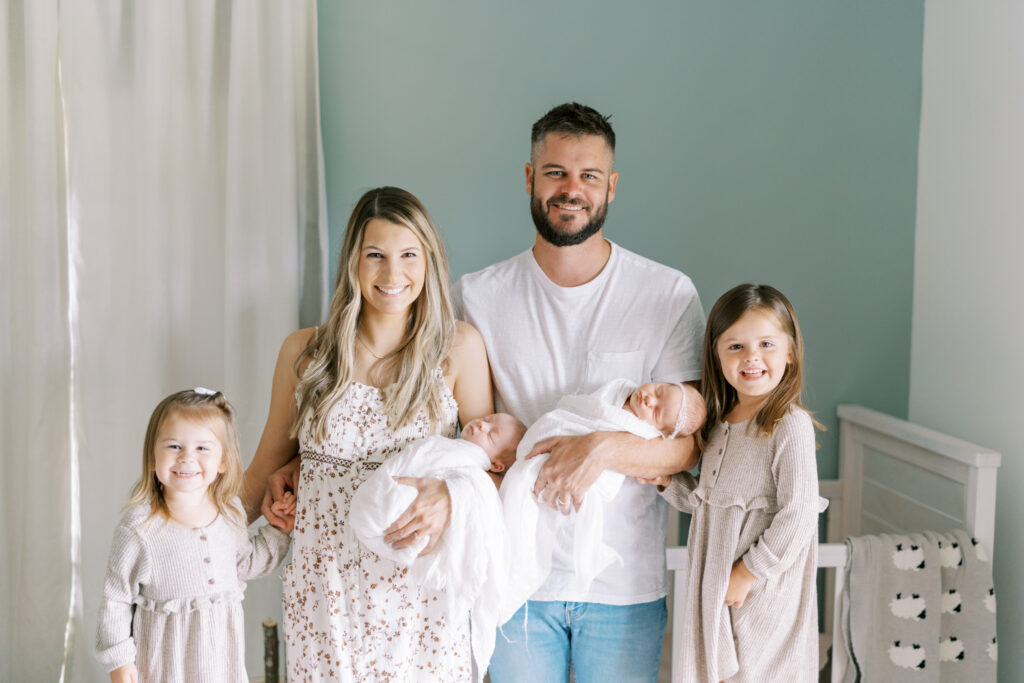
{"type": "Point", "coordinates": [163, 226]}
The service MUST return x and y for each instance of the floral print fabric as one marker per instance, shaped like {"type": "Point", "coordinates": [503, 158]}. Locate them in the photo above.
{"type": "Point", "coordinates": [348, 614]}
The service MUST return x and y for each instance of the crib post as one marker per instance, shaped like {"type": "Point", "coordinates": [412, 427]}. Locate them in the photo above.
{"type": "Point", "coordinates": [840, 659]}
{"type": "Point", "coordinates": [678, 563]}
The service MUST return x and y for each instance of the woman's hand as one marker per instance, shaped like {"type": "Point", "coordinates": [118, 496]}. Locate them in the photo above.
{"type": "Point", "coordinates": [125, 674]}
{"type": "Point", "coordinates": [427, 515]}
{"type": "Point", "coordinates": [740, 581]}
{"type": "Point", "coordinates": [285, 479]}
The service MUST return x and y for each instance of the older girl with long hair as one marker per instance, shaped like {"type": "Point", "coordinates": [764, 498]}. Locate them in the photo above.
{"type": "Point", "coordinates": [752, 613]}
{"type": "Point", "coordinates": [390, 365]}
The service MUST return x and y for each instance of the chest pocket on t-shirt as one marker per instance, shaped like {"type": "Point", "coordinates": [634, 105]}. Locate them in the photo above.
{"type": "Point", "coordinates": [604, 366]}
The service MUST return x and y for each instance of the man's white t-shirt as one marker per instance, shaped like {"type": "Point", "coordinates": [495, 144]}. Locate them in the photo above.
{"type": "Point", "coordinates": [637, 320]}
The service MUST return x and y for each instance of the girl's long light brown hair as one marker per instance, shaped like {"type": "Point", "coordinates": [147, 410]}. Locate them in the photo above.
{"type": "Point", "coordinates": [719, 396]}
{"type": "Point", "coordinates": [215, 413]}
{"type": "Point", "coordinates": [409, 370]}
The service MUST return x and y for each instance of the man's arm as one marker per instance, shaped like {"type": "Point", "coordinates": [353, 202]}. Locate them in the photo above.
{"type": "Point", "coordinates": [576, 462]}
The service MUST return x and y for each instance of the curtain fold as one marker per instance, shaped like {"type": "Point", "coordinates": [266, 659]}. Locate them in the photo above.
{"type": "Point", "coordinates": [168, 257]}
{"type": "Point", "coordinates": [37, 570]}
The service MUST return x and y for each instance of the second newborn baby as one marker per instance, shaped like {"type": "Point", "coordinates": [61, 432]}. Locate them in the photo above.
{"type": "Point", "coordinates": [577, 529]}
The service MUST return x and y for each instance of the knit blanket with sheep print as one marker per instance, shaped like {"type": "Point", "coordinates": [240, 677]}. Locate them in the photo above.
{"type": "Point", "coordinates": [919, 608]}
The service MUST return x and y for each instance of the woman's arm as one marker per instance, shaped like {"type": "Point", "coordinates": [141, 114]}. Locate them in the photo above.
{"type": "Point", "coordinates": [276, 447]}
{"type": "Point", "coordinates": [469, 374]}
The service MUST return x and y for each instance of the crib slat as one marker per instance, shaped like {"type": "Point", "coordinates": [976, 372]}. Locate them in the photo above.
{"type": "Point", "coordinates": [831, 554]}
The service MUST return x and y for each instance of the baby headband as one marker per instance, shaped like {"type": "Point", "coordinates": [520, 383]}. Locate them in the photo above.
{"type": "Point", "coordinates": [681, 417]}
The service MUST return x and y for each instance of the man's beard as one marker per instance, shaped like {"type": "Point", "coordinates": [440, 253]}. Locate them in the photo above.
{"type": "Point", "coordinates": [555, 235]}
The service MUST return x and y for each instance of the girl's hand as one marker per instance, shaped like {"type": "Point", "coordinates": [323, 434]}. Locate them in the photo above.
{"type": "Point", "coordinates": [740, 581]}
{"type": "Point", "coordinates": [278, 484]}
{"type": "Point", "coordinates": [285, 510]}
{"type": "Point", "coordinates": [125, 674]}
{"type": "Point", "coordinates": [661, 480]}
{"type": "Point", "coordinates": [427, 514]}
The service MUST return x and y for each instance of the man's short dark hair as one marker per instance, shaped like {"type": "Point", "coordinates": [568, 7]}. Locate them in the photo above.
{"type": "Point", "coordinates": [573, 118]}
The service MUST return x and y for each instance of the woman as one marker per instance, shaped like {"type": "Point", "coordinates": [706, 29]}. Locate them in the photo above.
{"type": "Point", "coordinates": [390, 365]}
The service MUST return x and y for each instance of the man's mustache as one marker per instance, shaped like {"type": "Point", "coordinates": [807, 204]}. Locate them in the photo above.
{"type": "Point", "coordinates": [566, 200]}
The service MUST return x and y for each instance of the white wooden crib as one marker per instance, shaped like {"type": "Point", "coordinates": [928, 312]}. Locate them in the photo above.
{"type": "Point", "coordinates": [894, 477]}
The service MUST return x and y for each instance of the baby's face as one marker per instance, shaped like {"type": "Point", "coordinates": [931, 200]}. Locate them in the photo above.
{"type": "Point", "coordinates": [498, 435]}
{"type": "Point", "coordinates": [657, 403]}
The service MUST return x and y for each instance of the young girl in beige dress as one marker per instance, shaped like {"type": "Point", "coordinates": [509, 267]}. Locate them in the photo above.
{"type": "Point", "coordinates": [172, 598]}
{"type": "Point", "coordinates": [752, 610]}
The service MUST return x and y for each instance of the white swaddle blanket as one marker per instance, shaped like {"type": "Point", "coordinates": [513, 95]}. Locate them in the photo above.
{"type": "Point", "coordinates": [531, 526]}
{"type": "Point", "coordinates": [469, 565]}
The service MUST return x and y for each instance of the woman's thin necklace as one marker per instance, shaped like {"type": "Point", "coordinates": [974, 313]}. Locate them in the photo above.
{"type": "Point", "coordinates": [359, 338]}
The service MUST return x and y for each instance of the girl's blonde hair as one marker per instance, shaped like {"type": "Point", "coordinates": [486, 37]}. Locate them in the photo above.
{"type": "Point", "coordinates": [213, 411]}
{"type": "Point", "coordinates": [719, 396]}
{"type": "Point", "coordinates": [429, 332]}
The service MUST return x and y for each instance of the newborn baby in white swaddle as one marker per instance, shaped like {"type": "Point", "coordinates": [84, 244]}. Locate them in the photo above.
{"type": "Point", "coordinates": [469, 566]}
{"type": "Point", "coordinates": [655, 409]}
{"type": "Point", "coordinates": [486, 446]}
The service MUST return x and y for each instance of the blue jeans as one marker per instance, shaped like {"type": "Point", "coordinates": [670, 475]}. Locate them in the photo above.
{"type": "Point", "coordinates": [620, 643]}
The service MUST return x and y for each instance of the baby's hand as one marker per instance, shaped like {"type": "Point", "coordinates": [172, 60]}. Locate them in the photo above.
{"type": "Point", "coordinates": [661, 480]}
{"type": "Point", "coordinates": [285, 509]}
{"type": "Point", "coordinates": [125, 674]}
{"type": "Point", "coordinates": [740, 581]}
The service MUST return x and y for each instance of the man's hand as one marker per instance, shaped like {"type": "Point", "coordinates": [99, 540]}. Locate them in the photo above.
{"type": "Point", "coordinates": [427, 515]}
{"type": "Point", "coordinates": [740, 581]}
{"type": "Point", "coordinates": [573, 466]}
{"type": "Point", "coordinates": [285, 479]}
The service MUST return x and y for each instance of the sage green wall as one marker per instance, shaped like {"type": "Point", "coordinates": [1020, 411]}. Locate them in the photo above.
{"type": "Point", "coordinates": [770, 142]}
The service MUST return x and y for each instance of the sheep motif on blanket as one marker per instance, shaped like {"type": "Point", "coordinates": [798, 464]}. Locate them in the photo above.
{"type": "Point", "coordinates": [919, 607]}
{"type": "Point", "coordinates": [908, 556]}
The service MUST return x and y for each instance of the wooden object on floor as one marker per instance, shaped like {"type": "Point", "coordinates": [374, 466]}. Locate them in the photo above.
{"type": "Point", "coordinates": [270, 651]}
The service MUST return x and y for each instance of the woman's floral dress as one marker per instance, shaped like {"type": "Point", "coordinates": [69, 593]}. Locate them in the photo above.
{"type": "Point", "coordinates": [348, 614]}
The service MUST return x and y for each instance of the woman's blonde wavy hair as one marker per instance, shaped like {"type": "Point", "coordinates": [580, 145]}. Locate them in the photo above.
{"type": "Point", "coordinates": [719, 396]}
{"type": "Point", "coordinates": [429, 333]}
{"type": "Point", "coordinates": [213, 412]}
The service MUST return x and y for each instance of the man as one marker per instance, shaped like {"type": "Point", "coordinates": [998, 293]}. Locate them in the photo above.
{"type": "Point", "coordinates": [566, 316]}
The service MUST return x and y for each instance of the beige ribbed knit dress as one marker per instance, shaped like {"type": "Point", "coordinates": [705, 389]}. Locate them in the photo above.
{"type": "Point", "coordinates": [172, 599]}
{"type": "Point", "coordinates": [757, 499]}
